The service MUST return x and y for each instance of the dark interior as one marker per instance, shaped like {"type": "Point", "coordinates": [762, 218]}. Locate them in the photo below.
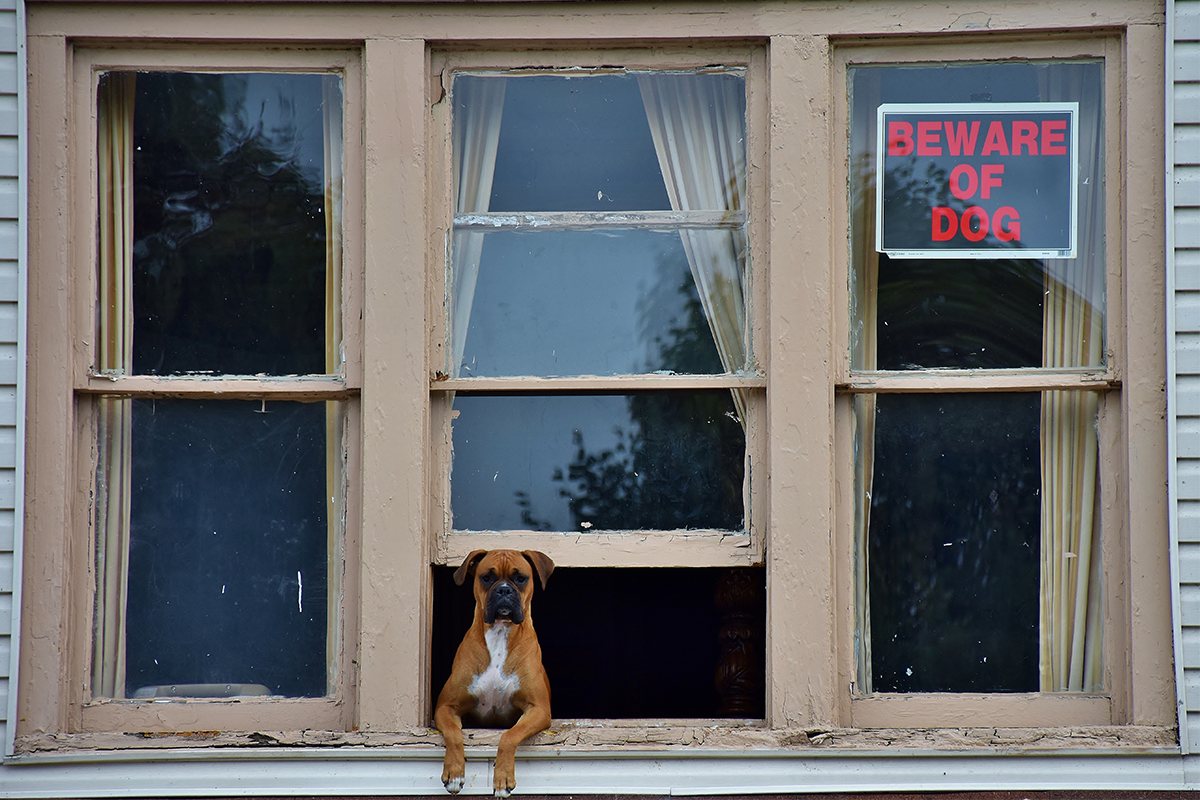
{"type": "Point", "coordinates": [633, 643]}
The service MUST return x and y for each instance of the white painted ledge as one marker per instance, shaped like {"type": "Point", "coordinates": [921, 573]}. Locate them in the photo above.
{"type": "Point", "coordinates": [384, 772]}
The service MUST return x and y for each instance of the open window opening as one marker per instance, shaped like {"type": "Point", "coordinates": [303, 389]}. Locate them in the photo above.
{"type": "Point", "coordinates": [630, 643]}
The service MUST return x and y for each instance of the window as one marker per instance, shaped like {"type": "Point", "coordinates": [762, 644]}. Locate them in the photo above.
{"type": "Point", "coordinates": [981, 384]}
{"type": "Point", "coordinates": [217, 395]}
{"type": "Point", "coordinates": [599, 394]}
{"type": "Point", "coordinates": [620, 302]}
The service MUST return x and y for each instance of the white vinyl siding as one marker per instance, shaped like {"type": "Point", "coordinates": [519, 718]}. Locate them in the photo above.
{"type": "Point", "coordinates": [10, 278]}
{"type": "Point", "coordinates": [1186, 229]}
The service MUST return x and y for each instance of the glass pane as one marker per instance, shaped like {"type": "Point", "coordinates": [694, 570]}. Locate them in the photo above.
{"type": "Point", "coordinates": [651, 461]}
{"type": "Point", "coordinates": [228, 544]}
{"type": "Point", "coordinates": [953, 541]}
{"type": "Point", "coordinates": [586, 303]}
{"type": "Point", "coordinates": [983, 313]}
{"type": "Point", "coordinates": [236, 179]}
{"type": "Point", "coordinates": [582, 142]}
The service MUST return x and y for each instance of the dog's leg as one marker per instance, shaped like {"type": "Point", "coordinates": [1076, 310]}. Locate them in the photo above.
{"type": "Point", "coordinates": [454, 768]}
{"type": "Point", "coordinates": [535, 718]}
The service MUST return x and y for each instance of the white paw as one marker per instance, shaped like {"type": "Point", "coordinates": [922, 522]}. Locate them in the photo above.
{"type": "Point", "coordinates": [455, 785]}
{"type": "Point", "coordinates": [503, 792]}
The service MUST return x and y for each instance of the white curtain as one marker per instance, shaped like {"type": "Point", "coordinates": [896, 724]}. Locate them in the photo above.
{"type": "Point", "coordinates": [478, 107]}
{"type": "Point", "coordinates": [699, 130]}
{"type": "Point", "coordinates": [1073, 336]}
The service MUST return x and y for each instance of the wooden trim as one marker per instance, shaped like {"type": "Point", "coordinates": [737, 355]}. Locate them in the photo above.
{"type": "Point", "coordinates": [592, 383]}
{"type": "Point", "coordinates": [225, 388]}
{"type": "Point", "coordinates": [978, 710]}
{"type": "Point", "coordinates": [591, 220]}
{"type": "Point", "coordinates": [978, 381]}
{"type": "Point", "coordinates": [612, 548]}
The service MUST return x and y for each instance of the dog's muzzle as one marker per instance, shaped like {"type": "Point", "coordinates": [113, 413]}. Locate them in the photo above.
{"type": "Point", "coordinates": [504, 602]}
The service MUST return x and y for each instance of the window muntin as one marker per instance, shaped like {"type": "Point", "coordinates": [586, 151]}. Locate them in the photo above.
{"type": "Point", "coordinates": [220, 253]}
{"type": "Point", "coordinates": [618, 197]}
{"type": "Point", "coordinates": [1032, 316]}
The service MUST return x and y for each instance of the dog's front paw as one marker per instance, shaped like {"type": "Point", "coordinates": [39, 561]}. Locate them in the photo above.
{"type": "Point", "coordinates": [454, 785]}
{"type": "Point", "coordinates": [504, 781]}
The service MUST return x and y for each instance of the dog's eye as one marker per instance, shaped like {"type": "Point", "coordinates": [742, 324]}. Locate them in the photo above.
{"type": "Point", "coordinates": [487, 580]}
{"type": "Point", "coordinates": [519, 580]}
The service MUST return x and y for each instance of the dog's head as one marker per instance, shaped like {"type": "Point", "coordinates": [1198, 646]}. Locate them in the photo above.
{"type": "Point", "coordinates": [503, 581]}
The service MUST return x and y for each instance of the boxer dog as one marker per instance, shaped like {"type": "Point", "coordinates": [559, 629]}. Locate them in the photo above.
{"type": "Point", "coordinates": [497, 678]}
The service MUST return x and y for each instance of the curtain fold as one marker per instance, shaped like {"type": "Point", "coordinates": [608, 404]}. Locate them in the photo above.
{"type": "Point", "coordinates": [478, 108]}
{"type": "Point", "coordinates": [1073, 336]}
{"type": "Point", "coordinates": [331, 106]}
{"type": "Point", "coordinates": [698, 127]}
{"type": "Point", "coordinates": [115, 150]}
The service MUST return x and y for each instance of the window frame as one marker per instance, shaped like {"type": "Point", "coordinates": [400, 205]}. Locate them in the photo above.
{"type": "Point", "coordinates": [1114, 381]}
{"type": "Point", "coordinates": [691, 548]}
{"type": "Point", "coordinates": [333, 712]}
{"type": "Point", "coordinates": [800, 263]}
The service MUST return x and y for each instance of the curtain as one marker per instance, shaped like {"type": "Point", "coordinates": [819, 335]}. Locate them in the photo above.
{"type": "Point", "coordinates": [478, 107]}
{"type": "Point", "coordinates": [115, 147]}
{"type": "Point", "coordinates": [1073, 336]}
{"type": "Point", "coordinates": [331, 105]}
{"type": "Point", "coordinates": [699, 133]}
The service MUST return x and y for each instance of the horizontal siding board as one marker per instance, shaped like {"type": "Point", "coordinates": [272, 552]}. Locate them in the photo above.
{"type": "Point", "coordinates": [1187, 227]}
{"type": "Point", "coordinates": [1187, 21]}
{"type": "Point", "coordinates": [1187, 102]}
{"type": "Point", "coordinates": [1187, 186]}
{"type": "Point", "coordinates": [1187, 362]}
{"type": "Point", "coordinates": [1189, 605]}
{"type": "Point", "coordinates": [1189, 521]}
{"type": "Point", "coordinates": [1187, 61]}
{"type": "Point", "coordinates": [1187, 312]}
{"type": "Point", "coordinates": [1187, 144]}
{"type": "Point", "coordinates": [1191, 645]}
{"type": "Point", "coordinates": [1189, 563]}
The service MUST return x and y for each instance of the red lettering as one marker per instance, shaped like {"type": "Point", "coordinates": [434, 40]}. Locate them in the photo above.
{"type": "Point", "coordinates": [928, 143]}
{"type": "Point", "coordinates": [995, 142]}
{"type": "Point", "coordinates": [976, 213]}
{"type": "Point", "coordinates": [991, 179]}
{"type": "Point", "coordinates": [900, 138]}
{"type": "Point", "coordinates": [945, 223]}
{"type": "Point", "coordinates": [959, 141]}
{"type": "Point", "coordinates": [1024, 134]}
{"type": "Point", "coordinates": [1054, 134]}
{"type": "Point", "coordinates": [1011, 233]}
{"type": "Point", "coordinates": [956, 187]}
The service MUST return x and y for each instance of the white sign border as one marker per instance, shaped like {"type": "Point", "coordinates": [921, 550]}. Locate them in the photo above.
{"type": "Point", "coordinates": [1071, 108]}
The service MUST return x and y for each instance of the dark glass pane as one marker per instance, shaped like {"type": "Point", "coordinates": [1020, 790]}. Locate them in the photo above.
{"type": "Point", "coordinates": [575, 144]}
{"type": "Point", "coordinates": [954, 543]}
{"type": "Point", "coordinates": [651, 461]}
{"type": "Point", "coordinates": [228, 554]}
{"type": "Point", "coordinates": [229, 262]}
{"type": "Point", "coordinates": [972, 314]}
{"type": "Point", "coordinates": [586, 303]}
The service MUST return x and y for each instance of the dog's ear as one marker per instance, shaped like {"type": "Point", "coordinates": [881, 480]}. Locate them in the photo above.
{"type": "Point", "coordinates": [542, 564]}
{"type": "Point", "coordinates": [468, 566]}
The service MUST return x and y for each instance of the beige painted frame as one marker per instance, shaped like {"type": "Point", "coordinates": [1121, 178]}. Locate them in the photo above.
{"type": "Point", "coordinates": [691, 548]}
{"type": "Point", "coordinates": [395, 250]}
{"type": "Point", "coordinates": [1131, 294]}
{"type": "Point", "coordinates": [76, 709]}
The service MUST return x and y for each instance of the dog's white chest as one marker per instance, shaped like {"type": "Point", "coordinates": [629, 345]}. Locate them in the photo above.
{"type": "Point", "coordinates": [493, 689]}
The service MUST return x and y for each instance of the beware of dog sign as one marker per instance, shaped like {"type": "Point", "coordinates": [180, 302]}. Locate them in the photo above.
{"type": "Point", "coordinates": [977, 180]}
